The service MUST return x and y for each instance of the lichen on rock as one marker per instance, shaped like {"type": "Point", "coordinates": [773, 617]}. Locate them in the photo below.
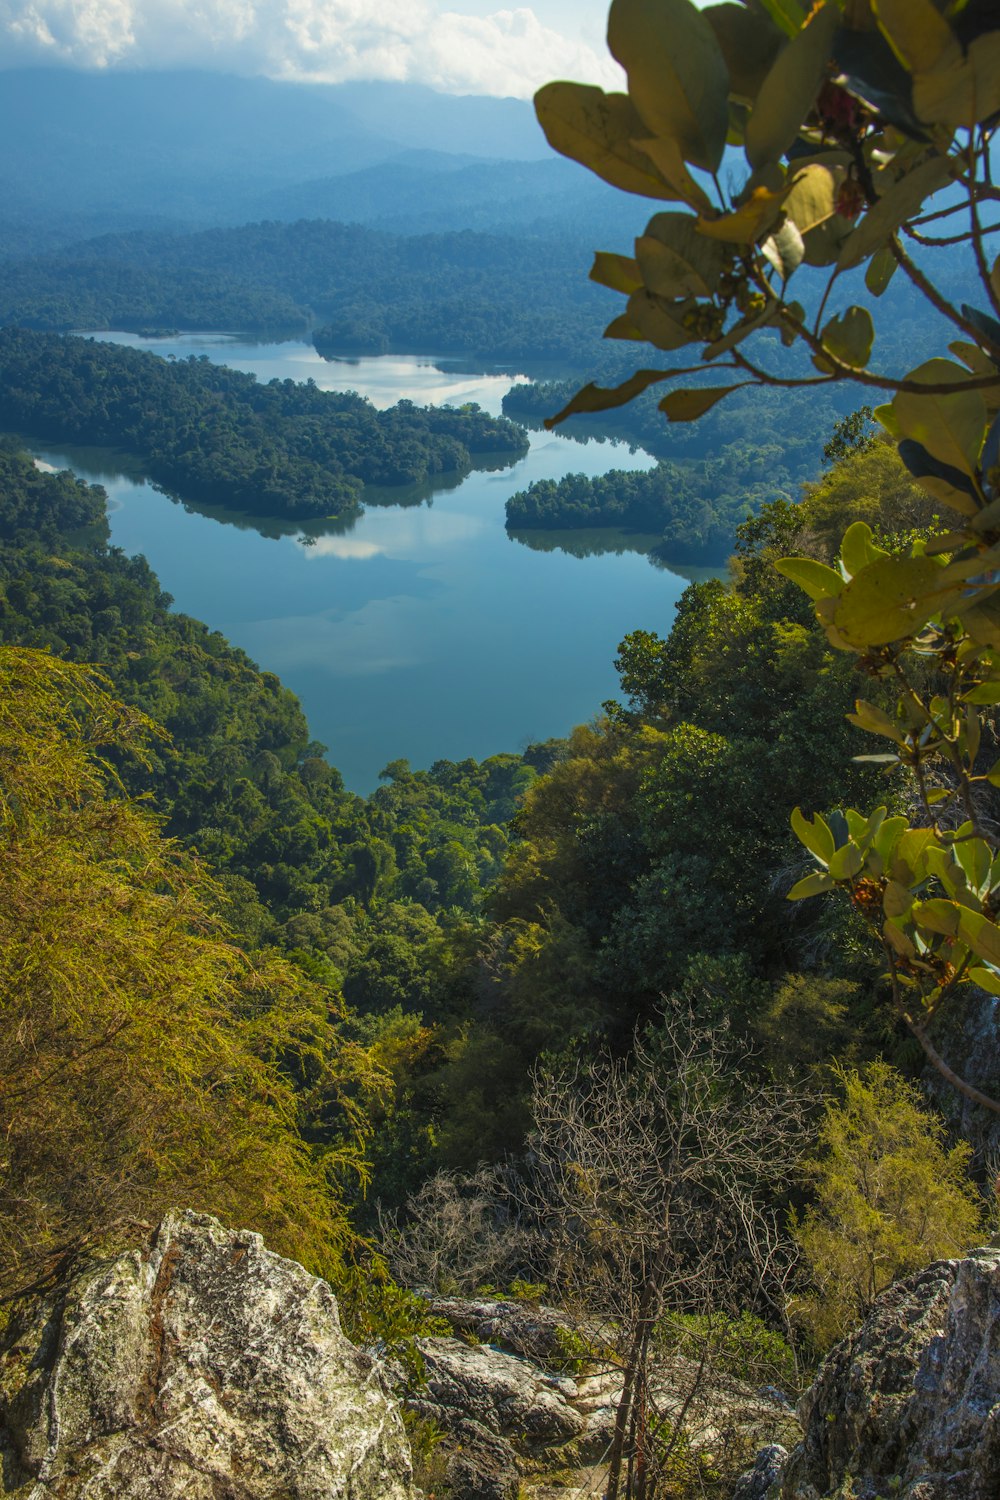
{"type": "Point", "coordinates": [908, 1406]}
{"type": "Point", "coordinates": [203, 1367]}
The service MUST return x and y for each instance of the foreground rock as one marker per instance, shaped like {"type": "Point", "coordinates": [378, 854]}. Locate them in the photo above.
{"type": "Point", "coordinates": [517, 1423]}
{"type": "Point", "coordinates": [909, 1405]}
{"type": "Point", "coordinates": [205, 1368]}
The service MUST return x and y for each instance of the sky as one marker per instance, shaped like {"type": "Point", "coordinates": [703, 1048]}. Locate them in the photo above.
{"type": "Point", "coordinates": [474, 48]}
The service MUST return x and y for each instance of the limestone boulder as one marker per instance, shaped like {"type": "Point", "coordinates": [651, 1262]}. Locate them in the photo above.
{"type": "Point", "coordinates": [202, 1367]}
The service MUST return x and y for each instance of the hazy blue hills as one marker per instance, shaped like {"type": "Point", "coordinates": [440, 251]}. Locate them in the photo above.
{"type": "Point", "coordinates": [86, 153]}
{"type": "Point", "coordinates": [205, 147]}
{"type": "Point", "coordinates": [426, 193]}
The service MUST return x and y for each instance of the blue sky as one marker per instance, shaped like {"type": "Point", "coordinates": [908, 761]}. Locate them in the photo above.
{"type": "Point", "coordinates": [465, 46]}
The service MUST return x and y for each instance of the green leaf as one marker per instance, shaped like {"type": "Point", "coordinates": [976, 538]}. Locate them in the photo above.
{"type": "Point", "coordinates": [623, 327]}
{"type": "Point", "coordinates": [868, 716]}
{"type": "Point", "coordinates": [812, 885]}
{"type": "Point", "coordinates": [688, 406]}
{"type": "Point", "coordinates": [604, 398]}
{"type": "Point", "coordinates": [898, 939]}
{"type": "Point", "coordinates": [975, 858]}
{"type": "Point", "coordinates": [784, 249]}
{"type": "Point", "coordinates": [846, 862]}
{"type": "Point", "coordinates": [977, 359]}
{"type": "Point", "coordinates": [972, 736]}
{"type": "Point", "coordinates": [945, 483]}
{"type": "Point", "coordinates": [819, 581]}
{"type": "Point", "coordinates": [963, 91]}
{"type": "Point", "coordinates": [677, 261]}
{"type": "Point", "coordinates": [881, 269]}
{"type": "Point", "coordinates": [899, 203]}
{"type": "Point", "coordinates": [815, 834]}
{"type": "Point", "coordinates": [897, 900]}
{"type": "Point", "coordinates": [849, 337]}
{"type": "Point", "coordinates": [951, 426]}
{"type": "Point", "coordinates": [943, 864]}
{"type": "Point", "coordinates": [661, 321]}
{"type": "Point", "coordinates": [981, 617]}
{"type": "Point", "coordinates": [598, 130]}
{"type": "Point", "coordinates": [889, 836]}
{"type": "Point", "coordinates": [811, 198]}
{"type": "Point", "coordinates": [790, 88]}
{"type": "Point", "coordinates": [788, 14]}
{"type": "Point", "coordinates": [749, 44]}
{"type": "Point", "coordinates": [993, 774]}
{"type": "Point", "coordinates": [987, 979]}
{"type": "Point", "coordinates": [890, 600]}
{"type": "Point", "coordinates": [938, 916]}
{"type": "Point", "coordinates": [747, 223]}
{"type": "Point", "coordinates": [677, 79]}
{"type": "Point", "coordinates": [823, 243]}
{"type": "Point", "coordinates": [857, 550]}
{"type": "Point", "coordinates": [739, 332]}
{"type": "Point", "coordinates": [910, 855]}
{"type": "Point", "coordinates": [980, 934]}
{"type": "Point", "coordinates": [619, 272]}
{"type": "Point", "coordinates": [888, 419]}
{"type": "Point", "coordinates": [917, 33]}
{"type": "Point", "coordinates": [665, 154]}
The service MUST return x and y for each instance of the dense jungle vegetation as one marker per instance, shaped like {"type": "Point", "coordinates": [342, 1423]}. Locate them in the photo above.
{"type": "Point", "coordinates": [280, 449]}
{"type": "Point", "coordinates": [477, 915]}
{"type": "Point", "coordinates": [457, 293]}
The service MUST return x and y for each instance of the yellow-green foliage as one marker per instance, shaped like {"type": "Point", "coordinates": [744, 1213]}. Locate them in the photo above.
{"type": "Point", "coordinates": [145, 1060]}
{"type": "Point", "coordinates": [869, 485]}
{"type": "Point", "coordinates": [888, 1198]}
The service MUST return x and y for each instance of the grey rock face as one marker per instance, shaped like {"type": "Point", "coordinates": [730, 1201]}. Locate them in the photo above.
{"type": "Point", "coordinates": [206, 1368]}
{"type": "Point", "coordinates": [909, 1405]}
{"type": "Point", "coordinates": [503, 1393]}
{"type": "Point", "coordinates": [482, 1465]}
{"type": "Point", "coordinates": [763, 1481]}
{"type": "Point", "coordinates": [537, 1332]}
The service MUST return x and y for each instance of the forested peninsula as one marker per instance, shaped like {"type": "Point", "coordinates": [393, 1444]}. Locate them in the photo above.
{"type": "Point", "coordinates": [695, 509]}
{"type": "Point", "coordinates": [218, 435]}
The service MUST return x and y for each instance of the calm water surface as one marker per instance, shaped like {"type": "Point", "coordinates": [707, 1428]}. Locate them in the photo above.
{"type": "Point", "coordinates": [421, 631]}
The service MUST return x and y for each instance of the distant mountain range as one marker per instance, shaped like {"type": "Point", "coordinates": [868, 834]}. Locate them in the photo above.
{"type": "Point", "coordinates": [86, 153]}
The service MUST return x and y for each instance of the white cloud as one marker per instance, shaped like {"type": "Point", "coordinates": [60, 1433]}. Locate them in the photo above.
{"type": "Point", "coordinates": [345, 548]}
{"type": "Point", "coordinates": [503, 51]}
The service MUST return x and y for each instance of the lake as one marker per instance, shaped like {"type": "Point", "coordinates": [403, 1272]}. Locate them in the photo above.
{"type": "Point", "coordinates": [422, 631]}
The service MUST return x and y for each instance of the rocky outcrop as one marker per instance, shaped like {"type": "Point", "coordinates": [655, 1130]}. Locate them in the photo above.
{"type": "Point", "coordinates": [909, 1405]}
{"type": "Point", "coordinates": [763, 1480]}
{"type": "Point", "coordinates": [503, 1414]}
{"type": "Point", "coordinates": [204, 1367]}
{"type": "Point", "coordinates": [528, 1328]}
{"type": "Point", "coordinates": [514, 1424]}
{"type": "Point", "coordinates": [502, 1392]}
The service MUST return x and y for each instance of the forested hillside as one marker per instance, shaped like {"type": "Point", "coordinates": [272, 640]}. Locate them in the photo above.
{"type": "Point", "coordinates": [643, 860]}
{"type": "Point", "coordinates": [480, 294]}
